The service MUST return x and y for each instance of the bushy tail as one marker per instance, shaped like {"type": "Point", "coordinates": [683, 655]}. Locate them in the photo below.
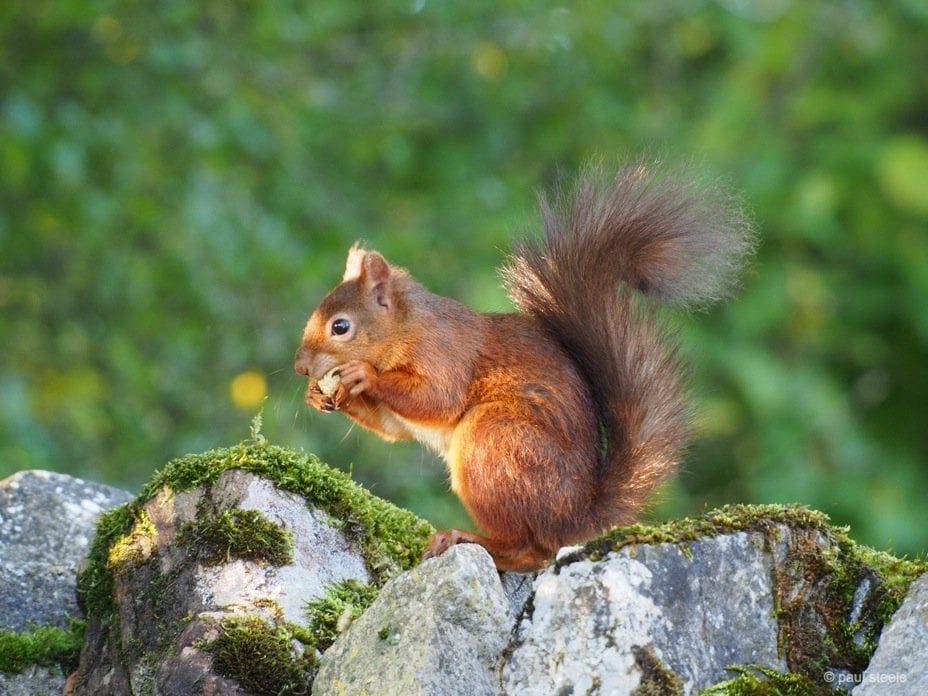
{"type": "Point", "coordinates": [671, 240]}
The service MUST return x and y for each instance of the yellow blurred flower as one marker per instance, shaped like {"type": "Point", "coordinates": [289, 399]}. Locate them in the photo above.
{"type": "Point", "coordinates": [248, 389]}
{"type": "Point", "coordinates": [489, 60]}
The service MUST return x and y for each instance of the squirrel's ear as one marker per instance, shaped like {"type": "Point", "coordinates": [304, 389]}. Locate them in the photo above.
{"type": "Point", "coordinates": [375, 277]}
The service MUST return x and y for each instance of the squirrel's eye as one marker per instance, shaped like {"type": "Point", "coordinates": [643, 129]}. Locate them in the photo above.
{"type": "Point", "coordinates": [340, 327]}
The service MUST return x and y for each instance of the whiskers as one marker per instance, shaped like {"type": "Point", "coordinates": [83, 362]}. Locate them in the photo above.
{"type": "Point", "coordinates": [351, 427]}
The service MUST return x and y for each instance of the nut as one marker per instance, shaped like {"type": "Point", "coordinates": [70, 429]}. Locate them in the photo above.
{"type": "Point", "coordinates": [329, 382]}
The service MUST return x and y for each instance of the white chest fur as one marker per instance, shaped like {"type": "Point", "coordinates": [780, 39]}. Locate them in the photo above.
{"type": "Point", "coordinates": [436, 437]}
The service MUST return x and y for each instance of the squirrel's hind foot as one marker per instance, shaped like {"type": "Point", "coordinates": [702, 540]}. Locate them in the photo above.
{"type": "Point", "coordinates": [506, 555]}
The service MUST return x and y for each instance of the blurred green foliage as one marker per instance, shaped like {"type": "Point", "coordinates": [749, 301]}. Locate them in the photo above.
{"type": "Point", "coordinates": [179, 182]}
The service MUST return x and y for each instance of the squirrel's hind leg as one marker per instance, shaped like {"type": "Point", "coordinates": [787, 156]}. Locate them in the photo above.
{"type": "Point", "coordinates": [513, 556]}
{"type": "Point", "coordinates": [521, 480]}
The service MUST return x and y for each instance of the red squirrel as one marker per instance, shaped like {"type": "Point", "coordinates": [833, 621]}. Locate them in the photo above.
{"type": "Point", "coordinates": [558, 421]}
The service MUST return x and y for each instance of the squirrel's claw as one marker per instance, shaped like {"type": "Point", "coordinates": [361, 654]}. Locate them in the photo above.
{"type": "Point", "coordinates": [441, 541]}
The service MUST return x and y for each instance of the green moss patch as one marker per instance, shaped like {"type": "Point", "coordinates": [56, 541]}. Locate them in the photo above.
{"type": "Point", "coordinates": [332, 613]}
{"type": "Point", "coordinates": [657, 679]}
{"type": "Point", "coordinates": [46, 645]}
{"type": "Point", "coordinates": [234, 533]}
{"type": "Point", "coordinates": [95, 580]}
{"type": "Point", "coordinates": [724, 520]}
{"type": "Point", "coordinates": [763, 681]}
{"type": "Point", "coordinates": [261, 657]}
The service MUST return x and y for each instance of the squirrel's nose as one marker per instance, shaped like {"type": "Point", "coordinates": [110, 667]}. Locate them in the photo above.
{"type": "Point", "coordinates": [302, 361]}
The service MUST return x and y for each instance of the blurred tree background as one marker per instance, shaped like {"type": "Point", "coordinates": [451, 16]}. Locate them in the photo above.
{"type": "Point", "coordinates": [179, 182]}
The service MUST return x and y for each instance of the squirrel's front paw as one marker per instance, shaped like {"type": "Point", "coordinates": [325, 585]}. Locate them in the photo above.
{"type": "Point", "coordinates": [319, 401]}
{"type": "Point", "coordinates": [358, 377]}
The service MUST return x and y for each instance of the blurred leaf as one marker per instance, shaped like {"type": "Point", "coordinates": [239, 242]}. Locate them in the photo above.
{"type": "Point", "coordinates": [903, 172]}
{"type": "Point", "coordinates": [179, 183]}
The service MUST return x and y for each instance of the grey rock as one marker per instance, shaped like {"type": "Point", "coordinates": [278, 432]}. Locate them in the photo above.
{"type": "Point", "coordinates": [166, 585]}
{"type": "Point", "coordinates": [47, 522]}
{"type": "Point", "coordinates": [435, 630]}
{"type": "Point", "coordinates": [900, 663]}
{"type": "Point", "coordinates": [322, 554]}
{"type": "Point", "coordinates": [597, 627]}
{"type": "Point", "coordinates": [33, 681]}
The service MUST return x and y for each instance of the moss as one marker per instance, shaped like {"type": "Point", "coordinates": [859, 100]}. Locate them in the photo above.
{"type": "Point", "coordinates": [45, 645]}
{"type": "Point", "coordinates": [833, 599]}
{"type": "Point", "coordinates": [234, 533]}
{"type": "Point", "coordinates": [136, 546]}
{"type": "Point", "coordinates": [392, 539]}
{"type": "Point", "coordinates": [242, 640]}
{"type": "Point", "coordinates": [272, 607]}
{"type": "Point", "coordinates": [262, 657]}
{"type": "Point", "coordinates": [724, 520]}
{"type": "Point", "coordinates": [166, 614]}
{"type": "Point", "coordinates": [823, 623]}
{"type": "Point", "coordinates": [331, 614]}
{"type": "Point", "coordinates": [95, 580]}
{"type": "Point", "coordinates": [657, 679]}
{"type": "Point", "coordinates": [897, 573]}
{"type": "Point", "coordinates": [763, 681]}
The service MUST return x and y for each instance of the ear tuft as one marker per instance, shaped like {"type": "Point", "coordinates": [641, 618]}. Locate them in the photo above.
{"type": "Point", "coordinates": [355, 262]}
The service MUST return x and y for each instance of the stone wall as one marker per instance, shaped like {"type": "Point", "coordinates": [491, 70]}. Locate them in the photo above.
{"type": "Point", "coordinates": [253, 570]}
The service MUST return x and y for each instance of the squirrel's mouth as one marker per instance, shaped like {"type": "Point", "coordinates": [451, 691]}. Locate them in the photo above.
{"type": "Point", "coordinates": [304, 363]}
{"type": "Point", "coordinates": [313, 365]}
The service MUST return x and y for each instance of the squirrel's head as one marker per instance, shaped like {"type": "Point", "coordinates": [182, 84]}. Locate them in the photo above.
{"type": "Point", "coordinates": [360, 319]}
